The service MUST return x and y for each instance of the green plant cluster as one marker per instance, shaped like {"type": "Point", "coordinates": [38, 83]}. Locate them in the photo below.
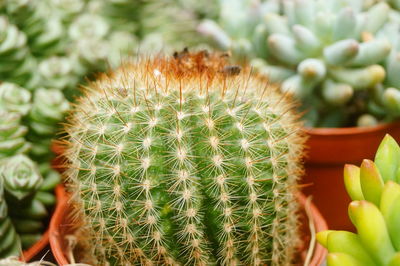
{"type": "Point", "coordinates": [185, 160]}
{"type": "Point", "coordinates": [375, 212]}
{"type": "Point", "coordinates": [340, 58]}
{"type": "Point", "coordinates": [46, 49]}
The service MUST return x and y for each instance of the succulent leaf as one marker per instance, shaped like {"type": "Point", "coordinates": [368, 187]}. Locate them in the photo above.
{"type": "Point", "coordinates": [390, 208]}
{"type": "Point", "coordinates": [387, 158]}
{"type": "Point", "coordinates": [348, 243]}
{"type": "Point", "coordinates": [372, 230]}
{"type": "Point", "coordinates": [352, 182]}
{"type": "Point", "coordinates": [342, 259]}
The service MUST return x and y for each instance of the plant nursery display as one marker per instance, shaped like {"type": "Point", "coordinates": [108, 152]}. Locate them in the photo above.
{"type": "Point", "coordinates": [185, 159]}
{"type": "Point", "coordinates": [340, 58]}
{"type": "Point", "coordinates": [375, 212]}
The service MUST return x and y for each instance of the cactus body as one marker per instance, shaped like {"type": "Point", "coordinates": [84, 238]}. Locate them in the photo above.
{"type": "Point", "coordinates": [186, 160]}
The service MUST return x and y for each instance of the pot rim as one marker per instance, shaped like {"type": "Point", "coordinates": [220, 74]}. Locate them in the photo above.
{"type": "Point", "coordinates": [31, 252]}
{"type": "Point", "coordinates": [62, 204]}
{"type": "Point", "coordinates": [337, 131]}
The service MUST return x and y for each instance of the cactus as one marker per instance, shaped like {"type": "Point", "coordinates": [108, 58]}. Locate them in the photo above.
{"type": "Point", "coordinates": [340, 58]}
{"type": "Point", "coordinates": [185, 160]}
{"type": "Point", "coordinates": [375, 212]}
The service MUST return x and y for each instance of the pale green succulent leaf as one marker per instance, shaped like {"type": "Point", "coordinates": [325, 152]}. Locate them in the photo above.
{"type": "Point", "coordinates": [341, 52]}
{"type": "Point", "coordinates": [359, 78]}
{"type": "Point", "coordinates": [336, 94]}
{"type": "Point", "coordinates": [284, 49]}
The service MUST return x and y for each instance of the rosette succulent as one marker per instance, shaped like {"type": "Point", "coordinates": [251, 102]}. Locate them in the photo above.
{"type": "Point", "coordinates": [185, 160]}
{"type": "Point", "coordinates": [28, 189]}
{"type": "Point", "coordinates": [12, 135]}
{"type": "Point", "coordinates": [339, 57]}
{"type": "Point", "coordinates": [375, 212]}
{"type": "Point", "coordinates": [13, 98]}
{"type": "Point", "coordinates": [48, 109]}
{"type": "Point", "coordinates": [21, 176]}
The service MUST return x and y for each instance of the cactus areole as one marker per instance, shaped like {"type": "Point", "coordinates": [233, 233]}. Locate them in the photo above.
{"type": "Point", "coordinates": [185, 160]}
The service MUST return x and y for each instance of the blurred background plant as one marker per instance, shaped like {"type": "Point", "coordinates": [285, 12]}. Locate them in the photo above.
{"type": "Point", "coordinates": [47, 48]}
{"type": "Point", "coordinates": [340, 58]}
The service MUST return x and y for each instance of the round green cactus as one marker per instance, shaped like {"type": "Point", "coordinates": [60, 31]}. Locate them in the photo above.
{"type": "Point", "coordinates": [186, 160]}
{"type": "Point", "coordinates": [375, 212]}
{"type": "Point", "coordinates": [338, 57]}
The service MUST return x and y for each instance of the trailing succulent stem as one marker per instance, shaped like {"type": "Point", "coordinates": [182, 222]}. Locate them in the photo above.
{"type": "Point", "coordinates": [375, 212]}
{"type": "Point", "coordinates": [10, 244]}
{"type": "Point", "coordinates": [185, 160]}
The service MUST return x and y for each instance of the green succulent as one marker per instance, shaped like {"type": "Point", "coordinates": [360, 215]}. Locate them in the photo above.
{"type": "Point", "coordinates": [21, 176]}
{"type": "Point", "coordinates": [13, 98]}
{"type": "Point", "coordinates": [57, 72]}
{"type": "Point", "coordinates": [12, 135]}
{"type": "Point", "coordinates": [375, 212]}
{"type": "Point", "coordinates": [10, 244]}
{"type": "Point", "coordinates": [172, 161]}
{"type": "Point", "coordinates": [48, 108]}
{"type": "Point", "coordinates": [340, 58]}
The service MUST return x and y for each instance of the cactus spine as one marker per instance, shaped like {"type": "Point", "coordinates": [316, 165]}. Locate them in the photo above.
{"type": "Point", "coordinates": [185, 160]}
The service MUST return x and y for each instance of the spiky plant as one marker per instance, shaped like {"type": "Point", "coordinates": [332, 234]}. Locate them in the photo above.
{"type": "Point", "coordinates": [185, 160]}
{"type": "Point", "coordinates": [339, 57]}
{"type": "Point", "coordinates": [375, 212]}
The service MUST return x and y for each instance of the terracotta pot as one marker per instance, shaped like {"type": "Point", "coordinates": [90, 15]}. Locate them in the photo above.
{"type": "Point", "coordinates": [329, 150]}
{"type": "Point", "coordinates": [60, 226]}
{"type": "Point", "coordinates": [30, 253]}
{"type": "Point", "coordinates": [57, 147]}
